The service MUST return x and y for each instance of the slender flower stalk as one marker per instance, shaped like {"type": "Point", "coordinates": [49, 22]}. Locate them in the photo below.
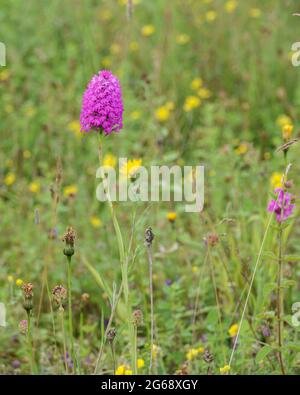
{"type": "Point", "coordinates": [137, 321]}
{"type": "Point", "coordinates": [70, 316]}
{"type": "Point", "coordinates": [149, 236]}
{"type": "Point", "coordinates": [62, 321]}
{"type": "Point", "coordinates": [60, 294]}
{"type": "Point", "coordinates": [69, 239]}
{"type": "Point", "coordinates": [213, 277]}
{"type": "Point", "coordinates": [102, 110]}
{"type": "Point", "coordinates": [279, 302]}
{"type": "Point", "coordinates": [283, 208]}
{"type": "Point", "coordinates": [29, 343]}
{"type": "Point", "coordinates": [196, 305]}
{"type": "Point", "coordinates": [111, 337]}
{"type": "Point", "coordinates": [134, 350]}
{"type": "Point", "coordinates": [28, 306]}
{"type": "Point", "coordinates": [115, 301]}
{"type": "Point", "coordinates": [123, 256]}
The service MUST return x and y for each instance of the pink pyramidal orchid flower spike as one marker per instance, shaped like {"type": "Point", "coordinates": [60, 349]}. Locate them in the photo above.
{"type": "Point", "coordinates": [102, 105]}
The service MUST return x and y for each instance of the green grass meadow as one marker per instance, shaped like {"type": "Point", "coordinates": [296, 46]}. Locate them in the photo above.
{"type": "Point", "coordinates": [204, 82]}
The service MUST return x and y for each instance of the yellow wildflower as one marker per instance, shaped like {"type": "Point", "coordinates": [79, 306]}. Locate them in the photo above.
{"type": "Point", "coordinates": [26, 154]}
{"type": "Point", "coordinates": [287, 131]}
{"type": "Point", "coordinates": [120, 370]}
{"type": "Point", "coordinates": [74, 127]}
{"type": "Point", "coordinates": [34, 187]}
{"type": "Point", "coordinates": [191, 354]}
{"type": "Point", "coordinates": [283, 120]}
{"type": "Point", "coordinates": [70, 190]}
{"type": "Point", "coordinates": [171, 216]}
{"type": "Point", "coordinates": [233, 330]}
{"type": "Point", "coordinates": [10, 278]}
{"type": "Point", "coordinates": [211, 16]}
{"type": "Point", "coordinates": [242, 149]}
{"type": "Point", "coordinates": [255, 13]}
{"type": "Point", "coordinates": [204, 93]}
{"type": "Point", "coordinates": [148, 30]}
{"type": "Point", "coordinates": [231, 5]}
{"type": "Point", "coordinates": [276, 180]}
{"type": "Point", "coordinates": [195, 269]}
{"type": "Point", "coordinates": [10, 179]}
{"type": "Point", "coordinates": [162, 114]}
{"type": "Point", "coordinates": [4, 75]}
{"type": "Point", "coordinates": [96, 222]}
{"type": "Point", "coordinates": [130, 168]}
{"type": "Point", "coordinates": [225, 369]}
{"type": "Point", "coordinates": [196, 84]}
{"type": "Point", "coordinates": [110, 160]}
{"type": "Point", "coordinates": [200, 350]}
{"type": "Point", "coordinates": [134, 46]}
{"type": "Point", "coordinates": [128, 372]}
{"type": "Point", "coordinates": [140, 363]}
{"type": "Point", "coordinates": [191, 102]}
{"type": "Point", "coordinates": [183, 39]}
{"type": "Point", "coordinates": [19, 282]}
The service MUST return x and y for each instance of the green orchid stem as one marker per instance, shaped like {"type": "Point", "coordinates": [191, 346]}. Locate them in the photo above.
{"type": "Point", "coordinates": [123, 258]}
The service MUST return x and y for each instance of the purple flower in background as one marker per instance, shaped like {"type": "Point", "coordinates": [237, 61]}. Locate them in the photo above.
{"type": "Point", "coordinates": [168, 282]}
{"type": "Point", "coordinates": [102, 106]}
{"type": "Point", "coordinates": [281, 206]}
{"type": "Point", "coordinates": [16, 364]}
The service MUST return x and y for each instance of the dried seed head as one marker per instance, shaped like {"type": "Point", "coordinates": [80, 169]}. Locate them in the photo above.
{"type": "Point", "coordinates": [212, 239]}
{"type": "Point", "coordinates": [137, 317]}
{"type": "Point", "coordinates": [28, 296]}
{"type": "Point", "coordinates": [59, 294]}
{"type": "Point", "coordinates": [111, 334]}
{"type": "Point", "coordinates": [289, 184]}
{"type": "Point", "coordinates": [27, 290]}
{"type": "Point", "coordinates": [149, 236]}
{"type": "Point", "coordinates": [208, 356]}
{"type": "Point", "coordinates": [23, 327]}
{"type": "Point", "coordinates": [85, 297]}
{"type": "Point", "coordinates": [69, 239]}
{"type": "Point", "coordinates": [183, 371]}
